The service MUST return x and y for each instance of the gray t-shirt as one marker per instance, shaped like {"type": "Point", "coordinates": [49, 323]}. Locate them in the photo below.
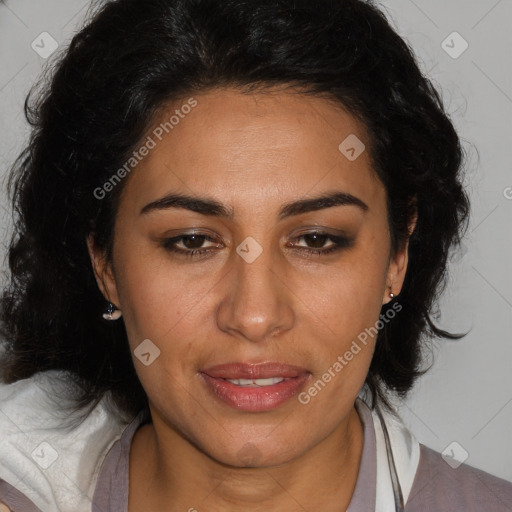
{"type": "Point", "coordinates": [436, 487]}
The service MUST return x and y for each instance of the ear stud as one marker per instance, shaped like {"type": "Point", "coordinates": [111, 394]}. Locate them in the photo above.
{"type": "Point", "coordinates": [112, 312]}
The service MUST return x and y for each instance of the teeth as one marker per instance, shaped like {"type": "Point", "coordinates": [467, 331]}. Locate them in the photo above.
{"type": "Point", "coordinates": [256, 383]}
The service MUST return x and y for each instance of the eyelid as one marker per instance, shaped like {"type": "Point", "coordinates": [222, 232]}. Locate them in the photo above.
{"type": "Point", "coordinates": [178, 238]}
{"type": "Point", "coordinates": [311, 230]}
{"type": "Point", "coordinates": [338, 242]}
{"type": "Point", "coordinates": [328, 236]}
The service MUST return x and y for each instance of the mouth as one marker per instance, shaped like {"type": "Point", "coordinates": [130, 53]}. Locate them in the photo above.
{"type": "Point", "coordinates": [257, 383]}
{"type": "Point", "coordinates": [254, 387]}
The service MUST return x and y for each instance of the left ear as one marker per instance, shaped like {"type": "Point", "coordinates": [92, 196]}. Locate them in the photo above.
{"type": "Point", "coordinates": [398, 266]}
{"type": "Point", "coordinates": [103, 272]}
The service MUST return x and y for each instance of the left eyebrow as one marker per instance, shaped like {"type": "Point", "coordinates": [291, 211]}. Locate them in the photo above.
{"type": "Point", "coordinates": [212, 207]}
{"type": "Point", "coordinates": [319, 203]}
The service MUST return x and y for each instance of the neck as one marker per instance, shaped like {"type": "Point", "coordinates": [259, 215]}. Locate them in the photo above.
{"type": "Point", "coordinates": [168, 473]}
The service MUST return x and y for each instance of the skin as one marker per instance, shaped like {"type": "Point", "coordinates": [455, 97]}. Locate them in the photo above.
{"type": "Point", "coordinates": [253, 153]}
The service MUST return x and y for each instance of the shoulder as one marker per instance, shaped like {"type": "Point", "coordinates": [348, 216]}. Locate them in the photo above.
{"type": "Point", "coordinates": [439, 486]}
{"type": "Point", "coordinates": [49, 455]}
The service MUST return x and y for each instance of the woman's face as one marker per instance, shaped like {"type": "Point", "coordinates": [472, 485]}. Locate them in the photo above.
{"type": "Point", "coordinates": [255, 295]}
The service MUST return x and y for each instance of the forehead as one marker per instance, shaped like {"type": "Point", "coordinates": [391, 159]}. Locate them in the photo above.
{"type": "Point", "coordinates": [259, 147]}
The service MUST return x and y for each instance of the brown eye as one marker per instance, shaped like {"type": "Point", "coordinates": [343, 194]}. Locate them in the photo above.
{"type": "Point", "coordinates": [315, 243]}
{"type": "Point", "coordinates": [192, 244]}
{"type": "Point", "coordinates": [316, 240]}
{"type": "Point", "coordinates": [193, 241]}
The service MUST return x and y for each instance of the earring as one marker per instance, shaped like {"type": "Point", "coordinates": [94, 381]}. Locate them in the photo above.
{"type": "Point", "coordinates": [112, 313]}
{"type": "Point", "coordinates": [392, 295]}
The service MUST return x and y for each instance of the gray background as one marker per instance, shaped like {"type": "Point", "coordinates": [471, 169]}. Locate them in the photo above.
{"type": "Point", "coordinates": [467, 395]}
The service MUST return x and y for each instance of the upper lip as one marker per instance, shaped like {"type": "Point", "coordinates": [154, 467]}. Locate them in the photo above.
{"type": "Point", "coordinates": [254, 371]}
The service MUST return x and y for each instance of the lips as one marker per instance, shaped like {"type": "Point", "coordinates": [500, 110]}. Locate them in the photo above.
{"type": "Point", "coordinates": [254, 371]}
{"type": "Point", "coordinates": [255, 387]}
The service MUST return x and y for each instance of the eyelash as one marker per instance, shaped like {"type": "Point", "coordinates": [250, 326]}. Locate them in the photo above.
{"type": "Point", "coordinates": [340, 242]}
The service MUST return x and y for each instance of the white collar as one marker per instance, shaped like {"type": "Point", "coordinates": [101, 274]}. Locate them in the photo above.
{"type": "Point", "coordinates": [406, 454]}
{"type": "Point", "coordinates": [30, 422]}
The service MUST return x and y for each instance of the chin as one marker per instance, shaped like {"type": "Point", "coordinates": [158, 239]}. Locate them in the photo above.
{"type": "Point", "coordinates": [254, 454]}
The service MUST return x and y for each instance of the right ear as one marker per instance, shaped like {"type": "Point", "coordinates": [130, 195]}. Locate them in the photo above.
{"type": "Point", "coordinates": [103, 271]}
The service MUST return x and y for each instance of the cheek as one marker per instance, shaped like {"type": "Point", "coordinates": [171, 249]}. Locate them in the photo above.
{"type": "Point", "coordinates": [348, 306]}
{"type": "Point", "coordinates": [159, 302]}
{"type": "Point", "coordinates": [349, 296]}
{"type": "Point", "coordinates": [161, 306]}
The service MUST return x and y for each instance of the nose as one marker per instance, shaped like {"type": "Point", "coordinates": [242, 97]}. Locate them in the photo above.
{"type": "Point", "coordinates": [257, 304]}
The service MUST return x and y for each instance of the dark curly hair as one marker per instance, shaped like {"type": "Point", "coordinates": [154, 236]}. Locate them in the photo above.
{"type": "Point", "coordinates": [133, 57]}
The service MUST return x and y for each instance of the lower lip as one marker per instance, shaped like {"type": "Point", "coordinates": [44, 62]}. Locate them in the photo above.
{"type": "Point", "coordinates": [260, 399]}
